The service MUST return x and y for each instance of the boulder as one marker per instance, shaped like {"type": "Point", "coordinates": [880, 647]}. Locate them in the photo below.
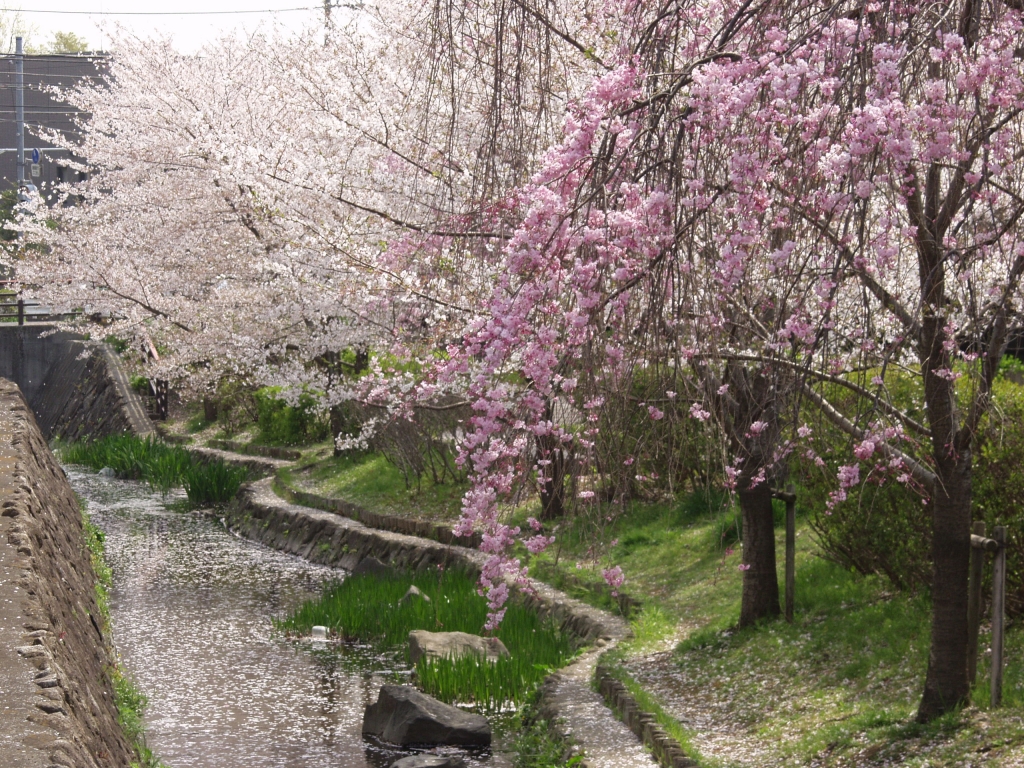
{"type": "Point", "coordinates": [430, 761]}
{"type": "Point", "coordinates": [403, 715]}
{"type": "Point", "coordinates": [373, 567]}
{"type": "Point", "coordinates": [440, 645]}
{"type": "Point", "coordinates": [107, 472]}
{"type": "Point", "coordinates": [411, 594]}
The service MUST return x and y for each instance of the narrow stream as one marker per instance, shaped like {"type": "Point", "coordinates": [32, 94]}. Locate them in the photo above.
{"type": "Point", "coordinates": [192, 609]}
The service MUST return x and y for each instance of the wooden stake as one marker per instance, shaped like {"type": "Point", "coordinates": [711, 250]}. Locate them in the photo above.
{"type": "Point", "coordinates": [790, 550]}
{"type": "Point", "coordinates": [974, 603]}
{"type": "Point", "coordinates": [998, 610]}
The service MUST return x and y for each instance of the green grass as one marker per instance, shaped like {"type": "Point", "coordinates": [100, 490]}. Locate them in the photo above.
{"type": "Point", "coordinates": [162, 466]}
{"type": "Point", "coordinates": [838, 687]}
{"type": "Point", "coordinates": [373, 482]}
{"type": "Point", "coordinates": [367, 608]}
{"type": "Point", "coordinates": [95, 543]}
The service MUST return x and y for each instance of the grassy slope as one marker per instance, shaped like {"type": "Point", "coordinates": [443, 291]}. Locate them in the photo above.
{"type": "Point", "coordinates": [837, 687]}
{"type": "Point", "coordinates": [371, 481]}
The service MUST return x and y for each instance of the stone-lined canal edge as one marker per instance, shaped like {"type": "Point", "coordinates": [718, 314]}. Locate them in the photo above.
{"type": "Point", "coordinates": [56, 697]}
{"type": "Point", "coordinates": [332, 539]}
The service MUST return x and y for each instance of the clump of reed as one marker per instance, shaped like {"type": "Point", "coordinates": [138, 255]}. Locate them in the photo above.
{"type": "Point", "coordinates": [162, 466]}
{"type": "Point", "coordinates": [369, 608]}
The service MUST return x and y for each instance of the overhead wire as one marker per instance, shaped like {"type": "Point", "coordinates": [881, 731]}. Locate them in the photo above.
{"type": "Point", "coordinates": [190, 13]}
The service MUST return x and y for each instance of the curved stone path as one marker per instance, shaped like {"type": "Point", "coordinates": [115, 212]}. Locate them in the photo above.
{"type": "Point", "coordinates": [578, 712]}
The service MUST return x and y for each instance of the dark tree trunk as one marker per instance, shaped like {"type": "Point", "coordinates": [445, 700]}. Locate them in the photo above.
{"type": "Point", "coordinates": [946, 685]}
{"type": "Point", "coordinates": [552, 474]}
{"type": "Point", "coordinates": [209, 409]}
{"type": "Point", "coordinates": [337, 425]}
{"type": "Point", "coordinates": [552, 478]}
{"type": "Point", "coordinates": [760, 579]}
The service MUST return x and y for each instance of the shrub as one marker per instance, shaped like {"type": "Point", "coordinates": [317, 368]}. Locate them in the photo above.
{"type": "Point", "coordinates": [283, 424]}
{"type": "Point", "coordinates": [885, 529]}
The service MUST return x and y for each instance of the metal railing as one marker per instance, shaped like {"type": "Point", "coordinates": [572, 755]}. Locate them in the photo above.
{"type": "Point", "coordinates": [14, 308]}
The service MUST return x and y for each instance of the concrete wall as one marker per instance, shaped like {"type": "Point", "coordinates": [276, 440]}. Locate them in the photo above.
{"type": "Point", "coordinates": [56, 699]}
{"type": "Point", "coordinates": [75, 388]}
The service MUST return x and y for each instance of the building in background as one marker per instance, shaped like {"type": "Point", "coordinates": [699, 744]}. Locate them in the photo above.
{"type": "Point", "coordinates": [42, 110]}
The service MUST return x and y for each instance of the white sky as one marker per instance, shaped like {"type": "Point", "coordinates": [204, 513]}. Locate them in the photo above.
{"type": "Point", "coordinates": [93, 21]}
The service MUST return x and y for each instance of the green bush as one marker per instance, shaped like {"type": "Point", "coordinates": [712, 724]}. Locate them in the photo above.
{"type": "Point", "coordinates": [283, 424]}
{"type": "Point", "coordinates": [998, 482]}
{"type": "Point", "coordinates": [885, 529]}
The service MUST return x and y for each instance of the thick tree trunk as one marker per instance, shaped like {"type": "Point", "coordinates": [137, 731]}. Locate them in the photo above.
{"type": "Point", "coordinates": [209, 409]}
{"type": "Point", "coordinates": [552, 479]}
{"type": "Point", "coordinates": [552, 473]}
{"type": "Point", "coordinates": [337, 425]}
{"type": "Point", "coordinates": [760, 579]}
{"type": "Point", "coordinates": [946, 685]}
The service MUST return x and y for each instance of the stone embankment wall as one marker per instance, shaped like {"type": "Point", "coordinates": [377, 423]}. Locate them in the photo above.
{"type": "Point", "coordinates": [331, 539]}
{"type": "Point", "coordinates": [56, 699]}
{"type": "Point", "coordinates": [76, 388]}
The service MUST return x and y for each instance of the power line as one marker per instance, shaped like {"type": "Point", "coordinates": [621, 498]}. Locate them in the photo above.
{"type": "Point", "coordinates": [169, 13]}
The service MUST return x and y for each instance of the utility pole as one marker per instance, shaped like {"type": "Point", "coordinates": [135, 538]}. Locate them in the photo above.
{"type": "Point", "coordinates": [19, 108]}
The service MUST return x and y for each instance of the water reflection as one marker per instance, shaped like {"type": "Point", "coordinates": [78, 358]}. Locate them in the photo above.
{"type": "Point", "coordinates": [192, 609]}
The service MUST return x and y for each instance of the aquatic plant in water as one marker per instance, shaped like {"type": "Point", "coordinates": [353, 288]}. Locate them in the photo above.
{"type": "Point", "coordinates": [371, 609]}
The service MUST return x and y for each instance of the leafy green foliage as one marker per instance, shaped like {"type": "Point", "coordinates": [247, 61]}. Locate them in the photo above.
{"type": "Point", "coordinates": [884, 528]}
{"type": "Point", "coordinates": [95, 543]}
{"type": "Point", "coordinates": [368, 608]}
{"type": "Point", "coordinates": [162, 466]}
{"type": "Point", "coordinates": [283, 424]}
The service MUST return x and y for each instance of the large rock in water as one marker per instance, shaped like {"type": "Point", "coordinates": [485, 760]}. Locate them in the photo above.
{"type": "Point", "coordinates": [403, 715]}
{"type": "Point", "coordinates": [452, 645]}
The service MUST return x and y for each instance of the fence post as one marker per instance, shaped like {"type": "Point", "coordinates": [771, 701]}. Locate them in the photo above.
{"type": "Point", "coordinates": [790, 550]}
{"type": "Point", "coordinates": [998, 611]}
{"type": "Point", "coordinates": [974, 604]}
{"type": "Point", "coordinates": [21, 311]}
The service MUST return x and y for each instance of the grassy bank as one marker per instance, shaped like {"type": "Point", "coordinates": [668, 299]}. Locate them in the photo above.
{"type": "Point", "coordinates": [372, 482]}
{"type": "Point", "coordinates": [370, 608]}
{"type": "Point", "coordinates": [838, 687]}
{"type": "Point", "coordinates": [162, 466]}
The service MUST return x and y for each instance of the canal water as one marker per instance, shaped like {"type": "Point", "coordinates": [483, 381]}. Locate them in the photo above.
{"type": "Point", "coordinates": [192, 609]}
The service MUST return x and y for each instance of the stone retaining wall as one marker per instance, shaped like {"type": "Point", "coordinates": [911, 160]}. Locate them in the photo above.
{"type": "Point", "coordinates": [330, 539]}
{"type": "Point", "coordinates": [76, 388]}
{"type": "Point", "coordinates": [664, 747]}
{"type": "Point", "coordinates": [55, 691]}
{"type": "Point", "coordinates": [441, 532]}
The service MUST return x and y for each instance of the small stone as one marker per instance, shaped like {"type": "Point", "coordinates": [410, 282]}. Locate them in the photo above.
{"type": "Point", "coordinates": [430, 761]}
{"type": "Point", "coordinates": [320, 634]}
{"type": "Point", "coordinates": [106, 472]}
{"type": "Point", "coordinates": [411, 593]}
